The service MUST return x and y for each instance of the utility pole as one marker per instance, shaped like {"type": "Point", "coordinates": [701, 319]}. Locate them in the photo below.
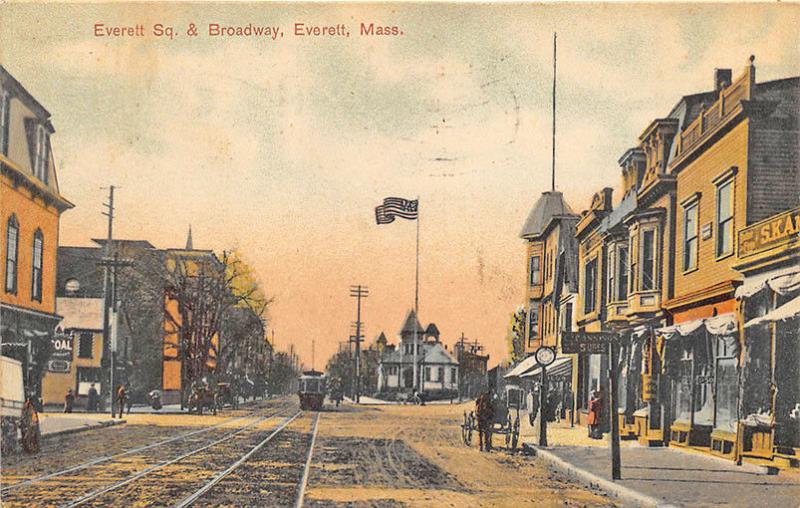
{"type": "Point", "coordinates": [616, 467]}
{"type": "Point", "coordinates": [107, 295]}
{"type": "Point", "coordinates": [358, 292]}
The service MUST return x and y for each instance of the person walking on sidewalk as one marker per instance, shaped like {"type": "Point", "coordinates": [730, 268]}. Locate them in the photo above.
{"type": "Point", "coordinates": [484, 410]}
{"type": "Point", "coordinates": [595, 415]}
{"type": "Point", "coordinates": [69, 400]}
{"type": "Point", "coordinates": [121, 398]}
{"type": "Point", "coordinates": [92, 399]}
{"type": "Point", "coordinates": [29, 426]}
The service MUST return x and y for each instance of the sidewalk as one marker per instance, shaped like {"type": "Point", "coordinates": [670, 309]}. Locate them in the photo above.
{"type": "Point", "coordinates": [663, 476]}
{"type": "Point", "coordinates": [56, 424]}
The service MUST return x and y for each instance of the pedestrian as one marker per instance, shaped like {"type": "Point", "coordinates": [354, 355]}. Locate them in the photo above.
{"type": "Point", "coordinates": [121, 397]}
{"type": "Point", "coordinates": [595, 415]}
{"type": "Point", "coordinates": [128, 397]}
{"type": "Point", "coordinates": [69, 400]}
{"type": "Point", "coordinates": [91, 399]}
{"type": "Point", "coordinates": [484, 410]}
{"type": "Point", "coordinates": [533, 405]}
{"type": "Point", "coordinates": [29, 425]}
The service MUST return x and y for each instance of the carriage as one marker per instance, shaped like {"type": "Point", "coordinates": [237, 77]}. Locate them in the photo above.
{"type": "Point", "coordinates": [202, 397]}
{"type": "Point", "coordinates": [506, 419]}
{"type": "Point", "coordinates": [311, 390]}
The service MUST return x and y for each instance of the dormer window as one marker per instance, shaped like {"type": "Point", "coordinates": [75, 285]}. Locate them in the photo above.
{"type": "Point", "coordinates": [5, 114]}
{"type": "Point", "coordinates": [42, 153]}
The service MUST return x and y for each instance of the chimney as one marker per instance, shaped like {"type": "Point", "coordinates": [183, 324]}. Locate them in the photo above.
{"type": "Point", "coordinates": [722, 78]}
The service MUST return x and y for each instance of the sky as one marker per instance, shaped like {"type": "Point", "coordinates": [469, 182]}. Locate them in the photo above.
{"type": "Point", "coordinates": [282, 148]}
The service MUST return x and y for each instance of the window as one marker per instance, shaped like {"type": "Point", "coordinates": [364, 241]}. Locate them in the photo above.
{"type": "Point", "coordinates": [42, 153]}
{"type": "Point", "coordinates": [440, 374]}
{"type": "Point", "coordinates": [622, 269]}
{"type": "Point", "coordinates": [535, 270]}
{"type": "Point", "coordinates": [725, 218]}
{"type": "Point", "coordinates": [566, 324]}
{"type": "Point", "coordinates": [533, 322]}
{"type": "Point", "coordinates": [453, 374]}
{"type": "Point", "coordinates": [610, 288]}
{"type": "Point", "coordinates": [648, 260]}
{"type": "Point", "coordinates": [590, 286]}
{"type": "Point", "coordinates": [5, 109]}
{"type": "Point", "coordinates": [85, 341]}
{"type": "Point", "coordinates": [12, 251]}
{"type": "Point", "coordinates": [36, 269]}
{"type": "Point", "coordinates": [690, 237]}
{"type": "Point", "coordinates": [427, 373]}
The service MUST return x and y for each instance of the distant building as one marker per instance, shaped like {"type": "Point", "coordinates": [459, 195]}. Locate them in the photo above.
{"type": "Point", "coordinates": [29, 218]}
{"type": "Point", "coordinates": [473, 377]}
{"type": "Point", "coordinates": [438, 370]}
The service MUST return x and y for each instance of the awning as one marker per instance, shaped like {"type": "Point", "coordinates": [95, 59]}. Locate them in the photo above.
{"type": "Point", "coordinates": [781, 280]}
{"type": "Point", "coordinates": [788, 310]}
{"type": "Point", "coordinates": [522, 367]}
{"type": "Point", "coordinates": [560, 367]}
{"type": "Point", "coordinates": [724, 324]}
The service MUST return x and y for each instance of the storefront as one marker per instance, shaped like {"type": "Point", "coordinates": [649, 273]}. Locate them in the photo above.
{"type": "Point", "coordinates": [27, 336]}
{"type": "Point", "coordinates": [700, 369]}
{"type": "Point", "coordinates": [771, 378]}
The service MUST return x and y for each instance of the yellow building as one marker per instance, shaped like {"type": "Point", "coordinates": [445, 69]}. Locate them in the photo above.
{"type": "Point", "coordinates": [30, 208]}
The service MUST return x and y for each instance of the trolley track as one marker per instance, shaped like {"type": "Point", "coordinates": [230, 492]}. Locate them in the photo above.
{"type": "Point", "coordinates": [267, 476]}
{"type": "Point", "coordinates": [107, 474]}
{"type": "Point", "coordinates": [132, 451]}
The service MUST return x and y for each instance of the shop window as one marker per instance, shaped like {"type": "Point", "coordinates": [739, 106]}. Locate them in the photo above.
{"type": "Point", "coordinates": [725, 218]}
{"type": "Point", "coordinates": [535, 270]}
{"type": "Point", "coordinates": [690, 233]}
{"type": "Point", "coordinates": [12, 253]}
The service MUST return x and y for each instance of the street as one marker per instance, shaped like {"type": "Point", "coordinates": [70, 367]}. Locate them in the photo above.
{"type": "Point", "coordinates": [392, 455]}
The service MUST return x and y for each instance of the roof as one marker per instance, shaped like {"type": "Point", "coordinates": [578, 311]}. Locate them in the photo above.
{"type": "Point", "coordinates": [432, 330]}
{"type": "Point", "coordinates": [550, 205]}
{"type": "Point", "coordinates": [410, 324]}
{"type": "Point", "coordinates": [141, 244]}
{"type": "Point", "coordinates": [432, 353]}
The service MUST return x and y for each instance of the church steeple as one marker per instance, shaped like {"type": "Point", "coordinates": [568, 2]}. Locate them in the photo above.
{"type": "Point", "coordinates": [189, 245]}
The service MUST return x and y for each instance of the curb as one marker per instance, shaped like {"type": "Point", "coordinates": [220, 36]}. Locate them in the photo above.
{"type": "Point", "coordinates": [99, 425]}
{"type": "Point", "coordinates": [616, 490]}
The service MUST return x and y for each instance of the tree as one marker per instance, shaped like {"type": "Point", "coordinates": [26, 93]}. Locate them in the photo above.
{"type": "Point", "coordinates": [515, 338]}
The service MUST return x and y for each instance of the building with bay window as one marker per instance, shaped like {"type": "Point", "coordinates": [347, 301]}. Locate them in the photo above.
{"type": "Point", "coordinates": [30, 209]}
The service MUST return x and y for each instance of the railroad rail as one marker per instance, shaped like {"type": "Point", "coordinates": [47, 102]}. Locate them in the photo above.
{"type": "Point", "coordinates": [132, 451]}
{"type": "Point", "coordinates": [149, 470]}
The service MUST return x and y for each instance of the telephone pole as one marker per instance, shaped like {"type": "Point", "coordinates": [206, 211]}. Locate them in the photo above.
{"type": "Point", "coordinates": [358, 292]}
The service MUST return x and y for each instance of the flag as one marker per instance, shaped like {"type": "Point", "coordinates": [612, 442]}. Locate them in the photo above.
{"type": "Point", "coordinates": [396, 207]}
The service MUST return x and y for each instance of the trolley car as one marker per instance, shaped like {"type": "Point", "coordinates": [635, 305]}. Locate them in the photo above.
{"type": "Point", "coordinates": [311, 390]}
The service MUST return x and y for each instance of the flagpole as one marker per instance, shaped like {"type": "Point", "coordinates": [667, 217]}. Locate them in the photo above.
{"type": "Point", "coordinates": [416, 306]}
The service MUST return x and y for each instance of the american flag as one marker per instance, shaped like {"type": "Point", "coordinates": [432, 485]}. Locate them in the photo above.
{"type": "Point", "coordinates": [396, 207]}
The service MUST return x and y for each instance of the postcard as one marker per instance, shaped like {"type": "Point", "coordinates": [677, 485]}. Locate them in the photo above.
{"type": "Point", "coordinates": [390, 254]}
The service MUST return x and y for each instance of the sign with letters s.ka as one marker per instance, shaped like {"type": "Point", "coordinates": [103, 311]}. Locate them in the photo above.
{"type": "Point", "coordinates": [587, 342]}
{"type": "Point", "coordinates": [769, 233]}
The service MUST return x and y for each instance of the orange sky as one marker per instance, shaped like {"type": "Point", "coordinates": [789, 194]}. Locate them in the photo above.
{"type": "Point", "coordinates": [283, 148]}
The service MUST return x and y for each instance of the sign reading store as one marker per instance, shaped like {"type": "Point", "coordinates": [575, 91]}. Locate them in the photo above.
{"type": "Point", "coordinates": [769, 233]}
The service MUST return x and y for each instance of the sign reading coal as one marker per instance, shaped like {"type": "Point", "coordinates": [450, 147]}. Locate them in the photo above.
{"type": "Point", "coordinates": [61, 357]}
{"type": "Point", "coordinates": [587, 342]}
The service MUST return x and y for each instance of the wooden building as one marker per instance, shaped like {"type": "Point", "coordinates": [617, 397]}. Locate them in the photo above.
{"type": "Point", "coordinates": [30, 209]}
